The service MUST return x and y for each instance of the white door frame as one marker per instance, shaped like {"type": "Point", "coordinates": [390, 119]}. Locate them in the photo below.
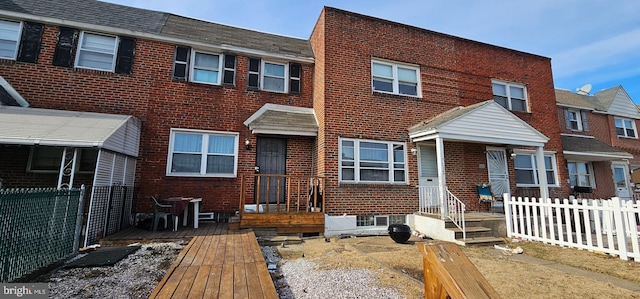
{"type": "Point", "coordinates": [625, 169]}
{"type": "Point", "coordinates": [503, 178]}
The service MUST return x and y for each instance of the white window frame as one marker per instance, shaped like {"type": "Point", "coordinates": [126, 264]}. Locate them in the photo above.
{"type": "Point", "coordinates": [507, 86]}
{"type": "Point", "coordinates": [193, 67]}
{"type": "Point", "coordinates": [392, 164]}
{"type": "Point", "coordinates": [80, 50]}
{"type": "Point", "coordinates": [591, 175]}
{"type": "Point", "coordinates": [395, 78]}
{"type": "Point", "coordinates": [263, 74]}
{"type": "Point", "coordinates": [8, 35]}
{"type": "Point", "coordinates": [534, 168]}
{"type": "Point", "coordinates": [379, 220]}
{"type": "Point", "coordinates": [577, 119]}
{"type": "Point", "coordinates": [203, 153]}
{"type": "Point", "coordinates": [625, 128]}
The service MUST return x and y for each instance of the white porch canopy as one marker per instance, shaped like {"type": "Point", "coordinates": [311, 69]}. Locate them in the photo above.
{"type": "Point", "coordinates": [47, 127]}
{"type": "Point", "coordinates": [283, 120]}
{"type": "Point", "coordinates": [486, 122]}
{"type": "Point", "coordinates": [116, 136]}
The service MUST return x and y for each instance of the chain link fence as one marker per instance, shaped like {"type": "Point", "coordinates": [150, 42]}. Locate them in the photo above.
{"type": "Point", "coordinates": [38, 227]}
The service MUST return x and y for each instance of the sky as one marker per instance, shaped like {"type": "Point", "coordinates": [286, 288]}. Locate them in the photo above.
{"type": "Point", "coordinates": [593, 42]}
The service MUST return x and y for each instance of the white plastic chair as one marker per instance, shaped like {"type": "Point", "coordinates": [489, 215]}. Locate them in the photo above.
{"type": "Point", "coordinates": [158, 213]}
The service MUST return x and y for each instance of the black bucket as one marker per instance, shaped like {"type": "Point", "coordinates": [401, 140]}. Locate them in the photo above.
{"type": "Point", "coordinates": [400, 233]}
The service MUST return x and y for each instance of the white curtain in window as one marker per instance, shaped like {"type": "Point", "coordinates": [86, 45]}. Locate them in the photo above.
{"type": "Point", "coordinates": [221, 144]}
{"type": "Point", "coordinates": [190, 143]}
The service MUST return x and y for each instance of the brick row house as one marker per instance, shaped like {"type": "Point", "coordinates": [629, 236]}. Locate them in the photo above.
{"type": "Point", "coordinates": [377, 120]}
{"type": "Point", "coordinates": [600, 140]}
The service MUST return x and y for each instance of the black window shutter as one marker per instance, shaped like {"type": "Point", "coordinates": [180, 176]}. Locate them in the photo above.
{"type": "Point", "coordinates": [30, 42]}
{"type": "Point", "coordinates": [63, 55]}
{"type": "Point", "coordinates": [585, 123]}
{"type": "Point", "coordinates": [181, 63]}
{"type": "Point", "coordinates": [254, 73]}
{"type": "Point", "coordinates": [124, 60]}
{"type": "Point", "coordinates": [295, 74]}
{"type": "Point", "coordinates": [229, 74]}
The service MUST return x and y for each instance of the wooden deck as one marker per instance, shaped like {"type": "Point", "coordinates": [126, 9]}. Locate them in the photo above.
{"type": "Point", "coordinates": [217, 263]}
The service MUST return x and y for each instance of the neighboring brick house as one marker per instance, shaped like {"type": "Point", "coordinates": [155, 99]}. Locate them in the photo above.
{"type": "Point", "coordinates": [600, 140]}
{"type": "Point", "coordinates": [400, 106]}
{"type": "Point", "coordinates": [374, 107]}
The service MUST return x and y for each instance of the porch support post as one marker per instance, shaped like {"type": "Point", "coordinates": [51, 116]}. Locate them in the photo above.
{"type": "Point", "coordinates": [542, 173]}
{"type": "Point", "coordinates": [442, 180]}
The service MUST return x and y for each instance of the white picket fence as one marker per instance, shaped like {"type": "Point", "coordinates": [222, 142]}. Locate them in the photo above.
{"type": "Point", "coordinates": [604, 225]}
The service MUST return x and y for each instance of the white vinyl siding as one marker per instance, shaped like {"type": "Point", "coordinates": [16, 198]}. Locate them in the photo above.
{"type": "Point", "coordinates": [97, 52]}
{"type": "Point", "coordinates": [363, 161]}
{"type": "Point", "coordinates": [9, 39]}
{"type": "Point", "coordinates": [202, 153]}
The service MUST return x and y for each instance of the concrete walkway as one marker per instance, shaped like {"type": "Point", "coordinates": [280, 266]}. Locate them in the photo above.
{"type": "Point", "coordinates": [625, 284]}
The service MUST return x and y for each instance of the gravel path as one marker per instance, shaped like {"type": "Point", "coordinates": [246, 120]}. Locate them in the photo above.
{"type": "Point", "coordinates": [301, 279]}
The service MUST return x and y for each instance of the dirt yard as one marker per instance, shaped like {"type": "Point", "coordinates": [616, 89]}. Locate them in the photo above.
{"type": "Point", "coordinates": [402, 267]}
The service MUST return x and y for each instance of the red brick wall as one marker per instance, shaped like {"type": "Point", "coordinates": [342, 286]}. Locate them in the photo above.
{"type": "Point", "coordinates": [454, 72]}
{"type": "Point", "coordinates": [161, 104]}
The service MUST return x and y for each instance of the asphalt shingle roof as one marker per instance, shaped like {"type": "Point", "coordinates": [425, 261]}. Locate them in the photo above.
{"type": "Point", "coordinates": [589, 145]}
{"type": "Point", "coordinates": [160, 23]}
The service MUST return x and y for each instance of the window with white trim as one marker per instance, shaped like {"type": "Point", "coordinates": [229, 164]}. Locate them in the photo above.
{"type": "Point", "coordinates": [580, 174]}
{"type": "Point", "coordinates": [204, 67]}
{"type": "Point", "coordinates": [382, 220]}
{"type": "Point", "coordinates": [395, 78]}
{"type": "Point", "coordinates": [202, 153]}
{"type": "Point", "coordinates": [526, 169]}
{"type": "Point", "coordinates": [369, 161]}
{"type": "Point", "coordinates": [97, 52]}
{"type": "Point", "coordinates": [625, 127]}
{"type": "Point", "coordinates": [576, 120]}
{"type": "Point", "coordinates": [510, 95]}
{"type": "Point", "coordinates": [274, 76]}
{"type": "Point", "coordinates": [9, 38]}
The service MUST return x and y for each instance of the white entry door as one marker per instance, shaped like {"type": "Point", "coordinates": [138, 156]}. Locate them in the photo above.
{"type": "Point", "coordinates": [621, 180]}
{"type": "Point", "coordinates": [428, 176]}
{"type": "Point", "coordinates": [498, 171]}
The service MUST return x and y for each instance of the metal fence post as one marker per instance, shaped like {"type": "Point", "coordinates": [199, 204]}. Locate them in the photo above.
{"type": "Point", "coordinates": [76, 238]}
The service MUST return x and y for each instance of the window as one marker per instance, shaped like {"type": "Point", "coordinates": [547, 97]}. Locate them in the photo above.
{"type": "Point", "coordinates": [48, 159]}
{"type": "Point", "coordinates": [525, 165]}
{"type": "Point", "coordinates": [202, 153]}
{"type": "Point", "coordinates": [395, 78]}
{"type": "Point", "coordinates": [510, 95]}
{"type": "Point", "coordinates": [581, 174]}
{"type": "Point", "coordinates": [9, 38]}
{"type": "Point", "coordinates": [272, 76]}
{"type": "Point", "coordinates": [625, 127]}
{"type": "Point", "coordinates": [576, 120]}
{"type": "Point", "coordinates": [201, 67]}
{"type": "Point", "coordinates": [97, 52]}
{"type": "Point", "coordinates": [20, 40]}
{"type": "Point", "coordinates": [372, 161]}
{"type": "Point", "coordinates": [384, 220]}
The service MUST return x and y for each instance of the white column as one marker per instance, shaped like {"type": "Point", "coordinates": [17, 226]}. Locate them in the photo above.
{"type": "Point", "coordinates": [542, 173]}
{"type": "Point", "coordinates": [442, 180]}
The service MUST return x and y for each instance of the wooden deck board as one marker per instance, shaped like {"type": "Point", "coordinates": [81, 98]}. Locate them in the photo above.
{"type": "Point", "coordinates": [228, 264]}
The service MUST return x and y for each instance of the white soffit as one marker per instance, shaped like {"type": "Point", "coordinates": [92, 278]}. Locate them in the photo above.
{"type": "Point", "coordinates": [283, 120]}
{"type": "Point", "coordinates": [33, 126]}
{"type": "Point", "coordinates": [485, 122]}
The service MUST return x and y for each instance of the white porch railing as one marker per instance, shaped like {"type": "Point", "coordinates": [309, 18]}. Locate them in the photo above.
{"type": "Point", "coordinates": [605, 225]}
{"type": "Point", "coordinates": [451, 207]}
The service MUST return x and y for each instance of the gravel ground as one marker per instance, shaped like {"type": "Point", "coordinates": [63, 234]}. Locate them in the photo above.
{"type": "Point", "coordinates": [133, 277]}
{"type": "Point", "coordinates": [301, 279]}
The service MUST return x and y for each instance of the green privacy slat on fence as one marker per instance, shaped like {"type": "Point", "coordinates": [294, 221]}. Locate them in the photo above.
{"type": "Point", "coordinates": [37, 228]}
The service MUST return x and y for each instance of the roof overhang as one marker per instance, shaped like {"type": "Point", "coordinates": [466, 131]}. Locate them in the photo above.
{"type": "Point", "coordinates": [485, 122]}
{"type": "Point", "coordinates": [587, 148]}
{"type": "Point", "coordinates": [283, 120]}
{"type": "Point", "coordinates": [47, 127]}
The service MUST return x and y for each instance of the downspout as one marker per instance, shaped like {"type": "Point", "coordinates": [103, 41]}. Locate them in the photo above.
{"type": "Point", "coordinates": [442, 180]}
